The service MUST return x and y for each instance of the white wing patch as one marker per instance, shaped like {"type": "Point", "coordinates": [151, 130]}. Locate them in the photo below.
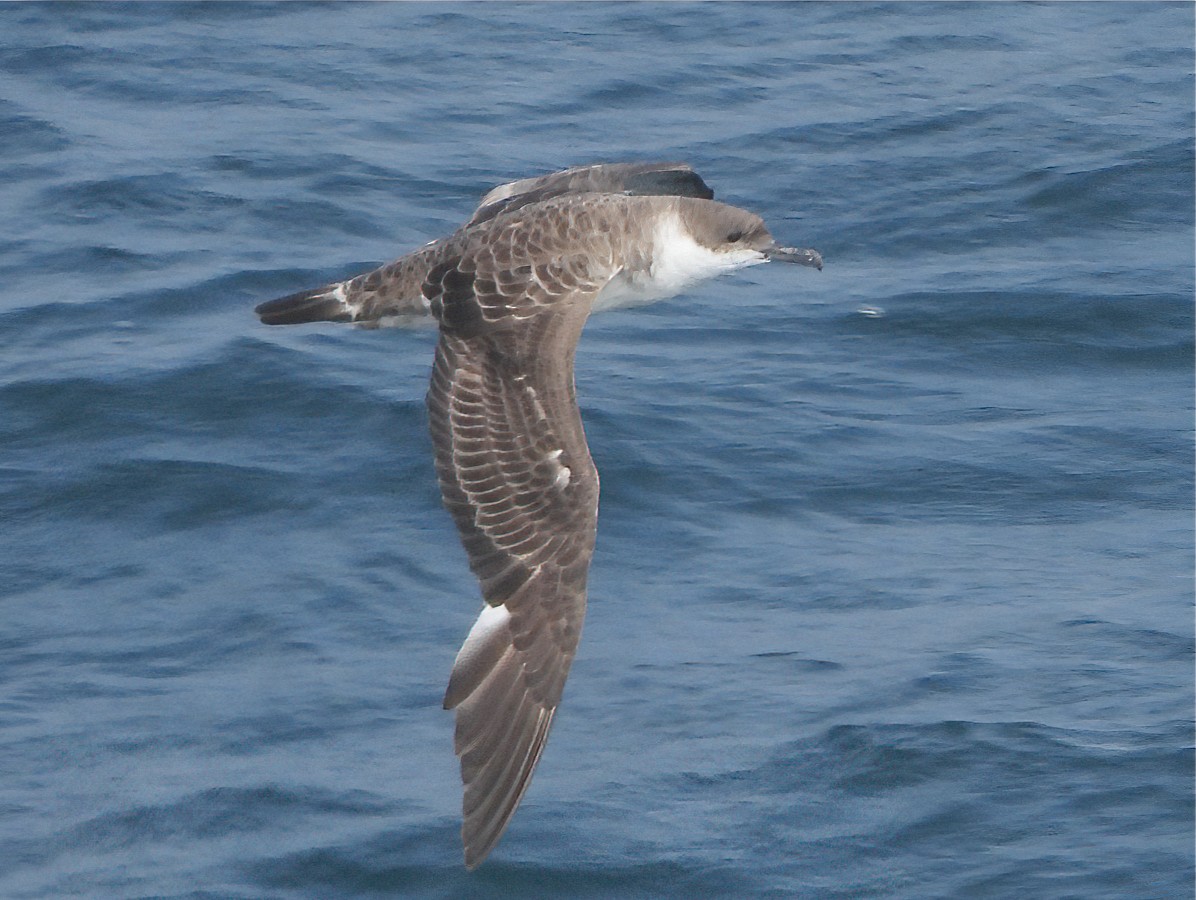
{"type": "Point", "coordinates": [562, 474]}
{"type": "Point", "coordinates": [488, 640]}
{"type": "Point", "coordinates": [490, 620]}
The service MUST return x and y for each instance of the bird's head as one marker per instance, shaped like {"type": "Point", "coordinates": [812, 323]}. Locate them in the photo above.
{"type": "Point", "coordinates": [739, 236]}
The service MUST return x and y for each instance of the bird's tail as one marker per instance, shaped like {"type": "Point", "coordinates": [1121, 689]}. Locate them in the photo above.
{"type": "Point", "coordinates": [393, 291]}
{"type": "Point", "coordinates": [324, 304]}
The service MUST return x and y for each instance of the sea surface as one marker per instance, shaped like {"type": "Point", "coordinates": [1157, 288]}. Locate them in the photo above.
{"type": "Point", "coordinates": [893, 589]}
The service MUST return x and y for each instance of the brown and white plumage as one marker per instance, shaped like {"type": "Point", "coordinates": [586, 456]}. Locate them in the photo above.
{"type": "Point", "coordinates": [392, 291]}
{"type": "Point", "coordinates": [511, 292]}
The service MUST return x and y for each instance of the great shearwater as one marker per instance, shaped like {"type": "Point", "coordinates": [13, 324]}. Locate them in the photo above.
{"type": "Point", "coordinates": [510, 292]}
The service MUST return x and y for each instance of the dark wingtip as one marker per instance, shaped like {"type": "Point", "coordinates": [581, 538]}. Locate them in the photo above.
{"type": "Point", "coordinates": [669, 183]}
{"type": "Point", "coordinates": [307, 306]}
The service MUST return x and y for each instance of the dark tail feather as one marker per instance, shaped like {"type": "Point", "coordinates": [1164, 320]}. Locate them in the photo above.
{"type": "Point", "coordinates": [319, 305]}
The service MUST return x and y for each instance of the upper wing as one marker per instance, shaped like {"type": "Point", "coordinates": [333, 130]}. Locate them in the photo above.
{"type": "Point", "coordinates": [640, 179]}
{"type": "Point", "coordinates": [516, 474]}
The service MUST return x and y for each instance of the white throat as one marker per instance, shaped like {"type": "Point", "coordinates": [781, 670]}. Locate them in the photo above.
{"type": "Point", "coordinates": [678, 261]}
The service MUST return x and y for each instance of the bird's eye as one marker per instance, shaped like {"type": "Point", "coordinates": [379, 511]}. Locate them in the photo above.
{"type": "Point", "coordinates": [734, 237]}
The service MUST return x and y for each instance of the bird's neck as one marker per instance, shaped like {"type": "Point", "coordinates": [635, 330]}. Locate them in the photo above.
{"type": "Point", "coordinates": [675, 262]}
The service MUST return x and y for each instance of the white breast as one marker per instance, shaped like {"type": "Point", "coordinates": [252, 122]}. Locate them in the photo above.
{"type": "Point", "coordinates": [678, 261]}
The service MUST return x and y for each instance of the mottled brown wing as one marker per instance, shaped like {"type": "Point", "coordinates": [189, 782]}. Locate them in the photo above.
{"type": "Point", "coordinates": [636, 179]}
{"type": "Point", "coordinates": [517, 477]}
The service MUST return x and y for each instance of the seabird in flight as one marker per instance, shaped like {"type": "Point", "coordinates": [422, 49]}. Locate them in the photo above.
{"type": "Point", "coordinates": [511, 291]}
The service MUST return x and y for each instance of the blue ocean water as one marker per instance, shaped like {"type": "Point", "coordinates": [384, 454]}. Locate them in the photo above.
{"type": "Point", "coordinates": [893, 589]}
